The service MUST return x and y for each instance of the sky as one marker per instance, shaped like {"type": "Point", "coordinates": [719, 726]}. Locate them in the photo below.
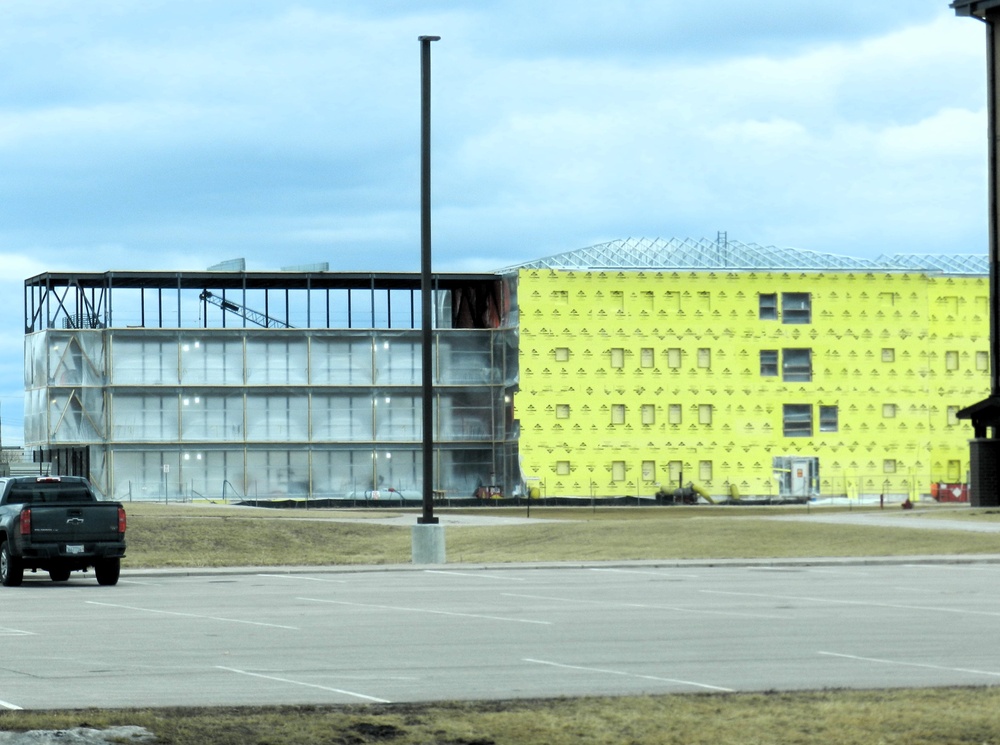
{"type": "Point", "coordinates": [177, 135]}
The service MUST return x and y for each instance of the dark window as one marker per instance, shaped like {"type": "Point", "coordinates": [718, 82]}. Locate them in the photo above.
{"type": "Point", "coordinates": [797, 365]}
{"type": "Point", "coordinates": [769, 363]}
{"type": "Point", "coordinates": [769, 307]}
{"type": "Point", "coordinates": [796, 307]}
{"type": "Point", "coordinates": [36, 494]}
{"type": "Point", "coordinates": [828, 419]}
{"type": "Point", "coordinates": [797, 420]}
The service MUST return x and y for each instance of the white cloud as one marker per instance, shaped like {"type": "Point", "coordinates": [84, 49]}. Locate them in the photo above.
{"type": "Point", "coordinates": [175, 135]}
{"type": "Point", "coordinates": [948, 133]}
{"type": "Point", "coordinates": [17, 268]}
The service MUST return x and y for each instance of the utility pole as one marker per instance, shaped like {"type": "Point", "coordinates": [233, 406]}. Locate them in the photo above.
{"type": "Point", "coordinates": [426, 281]}
{"type": "Point", "coordinates": [984, 448]}
{"type": "Point", "coordinates": [428, 535]}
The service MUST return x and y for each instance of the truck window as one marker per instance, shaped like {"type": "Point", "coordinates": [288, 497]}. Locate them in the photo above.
{"type": "Point", "coordinates": [46, 494]}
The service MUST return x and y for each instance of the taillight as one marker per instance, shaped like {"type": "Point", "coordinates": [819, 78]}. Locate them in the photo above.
{"type": "Point", "coordinates": [121, 520]}
{"type": "Point", "coordinates": [26, 522]}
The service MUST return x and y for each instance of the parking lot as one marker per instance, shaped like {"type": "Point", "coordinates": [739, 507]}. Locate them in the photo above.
{"type": "Point", "coordinates": [416, 634]}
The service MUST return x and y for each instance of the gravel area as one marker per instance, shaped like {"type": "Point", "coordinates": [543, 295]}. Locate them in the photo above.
{"type": "Point", "coordinates": [78, 736]}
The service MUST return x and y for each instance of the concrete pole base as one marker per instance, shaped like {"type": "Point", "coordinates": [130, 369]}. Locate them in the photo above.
{"type": "Point", "coordinates": [428, 544]}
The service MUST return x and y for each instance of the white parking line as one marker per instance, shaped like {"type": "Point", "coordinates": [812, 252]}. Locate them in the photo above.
{"type": "Point", "coordinates": [304, 579]}
{"type": "Point", "coordinates": [838, 572]}
{"type": "Point", "coordinates": [955, 567]}
{"type": "Point", "coordinates": [862, 603]}
{"type": "Point", "coordinates": [306, 685]}
{"type": "Point", "coordinates": [651, 606]}
{"type": "Point", "coordinates": [629, 675]}
{"type": "Point", "coordinates": [15, 632]}
{"type": "Point", "coordinates": [12, 707]}
{"type": "Point", "coordinates": [477, 575]}
{"type": "Point", "coordinates": [662, 573]}
{"type": "Point", "coordinates": [194, 615]}
{"type": "Point", "coordinates": [991, 673]}
{"type": "Point", "coordinates": [426, 610]}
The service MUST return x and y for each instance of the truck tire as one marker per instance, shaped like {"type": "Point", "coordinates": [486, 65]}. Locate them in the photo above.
{"type": "Point", "coordinates": [11, 568]}
{"type": "Point", "coordinates": [107, 571]}
{"type": "Point", "coordinates": [59, 574]}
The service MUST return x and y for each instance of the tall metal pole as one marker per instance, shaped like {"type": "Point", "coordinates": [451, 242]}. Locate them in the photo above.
{"type": "Point", "coordinates": [426, 288]}
{"type": "Point", "coordinates": [994, 218]}
{"type": "Point", "coordinates": [984, 448]}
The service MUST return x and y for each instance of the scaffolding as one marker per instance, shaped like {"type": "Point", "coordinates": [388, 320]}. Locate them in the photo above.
{"type": "Point", "coordinates": [291, 385]}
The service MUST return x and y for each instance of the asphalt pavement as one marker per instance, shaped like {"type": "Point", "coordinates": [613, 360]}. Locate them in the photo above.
{"type": "Point", "coordinates": [405, 633]}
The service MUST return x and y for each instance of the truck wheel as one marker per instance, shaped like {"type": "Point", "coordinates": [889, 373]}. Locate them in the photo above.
{"type": "Point", "coordinates": [107, 571]}
{"type": "Point", "coordinates": [11, 568]}
{"type": "Point", "coordinates": [59, 574]}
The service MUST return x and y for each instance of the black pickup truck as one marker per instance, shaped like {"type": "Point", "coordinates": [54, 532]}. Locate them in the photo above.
{"type": "Point", "coordinates": [59, 525]}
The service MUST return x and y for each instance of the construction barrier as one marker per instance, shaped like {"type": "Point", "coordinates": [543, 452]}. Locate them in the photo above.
{"type": "Point", "coordinates": [950, 492]}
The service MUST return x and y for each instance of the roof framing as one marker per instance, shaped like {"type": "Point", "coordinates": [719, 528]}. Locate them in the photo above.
{"type": "Point", "coordinates": [730, 255]}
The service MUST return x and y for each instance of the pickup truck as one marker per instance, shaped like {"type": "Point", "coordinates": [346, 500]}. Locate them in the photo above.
{"type": "Point", "coordinates": [59, 525]}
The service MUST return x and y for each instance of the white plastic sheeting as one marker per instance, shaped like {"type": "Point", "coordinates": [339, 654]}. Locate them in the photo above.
{"type": "Point", "coordinates": [234, 413]}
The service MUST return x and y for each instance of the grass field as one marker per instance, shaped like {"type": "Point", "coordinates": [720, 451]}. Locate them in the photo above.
{"type": "Point", "coordinates": [207, 536]}
{"type": "Point", "coordinates": [942, 716]}
{"type": "Point", "coordinates": [200, 536]}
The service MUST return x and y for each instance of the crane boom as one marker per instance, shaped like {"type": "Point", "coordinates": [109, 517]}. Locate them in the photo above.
{"type": "Point", "coordinates": [251, 315]}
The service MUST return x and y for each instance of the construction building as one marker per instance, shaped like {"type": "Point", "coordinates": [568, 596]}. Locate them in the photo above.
{"type": "Point", "coordinates": [293, 384]}
{"type": "Point", "coordinates": [621, 369]}
{"type": "Point", "coordinates": [647, 364]}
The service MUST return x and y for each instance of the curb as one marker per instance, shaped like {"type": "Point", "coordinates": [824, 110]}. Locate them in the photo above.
{"type": "Point", "coordinates": [773, 563]}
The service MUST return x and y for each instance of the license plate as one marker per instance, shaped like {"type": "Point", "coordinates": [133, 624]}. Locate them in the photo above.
{"type": "Point", "coordinates": [74, 549]}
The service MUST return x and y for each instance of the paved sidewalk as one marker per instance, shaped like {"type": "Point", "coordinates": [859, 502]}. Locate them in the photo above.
{"type": "Point", "coordinates": [138, 573]}
{"type": "Point", "coordinates": [893, 518]}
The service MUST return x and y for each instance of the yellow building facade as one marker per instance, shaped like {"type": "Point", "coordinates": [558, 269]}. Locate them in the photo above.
{"type": "Point", "coordinates": [757, 382]}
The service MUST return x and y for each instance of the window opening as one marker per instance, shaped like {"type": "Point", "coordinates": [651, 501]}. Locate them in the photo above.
{"type": "Point", "coordinates": [769, 363]}
{"type": "Point", "coordinates": [797, 365]}
{"type": "Point", "coordinates": [797, 420]}
{"type": "Point", "coordinates": [796, 307]}
{"type": "Point", "coordinates": [769, 307]}
{"type": "Point", "coordinates": [828, 419]}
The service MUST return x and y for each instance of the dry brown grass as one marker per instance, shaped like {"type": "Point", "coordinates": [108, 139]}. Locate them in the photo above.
{"type": "Point", "coordinates": [941, 716]}
{"type": "Point", "coordinates": [178, 535]}
{"type": "Point", "coordinates": [219, 541]}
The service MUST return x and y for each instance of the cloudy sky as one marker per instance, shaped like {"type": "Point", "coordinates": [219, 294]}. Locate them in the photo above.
{"type": "Point", "coordinates": [175, 135]}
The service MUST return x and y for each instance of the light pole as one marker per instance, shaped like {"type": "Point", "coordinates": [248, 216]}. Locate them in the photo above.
{"type": "Point", "coordinates": [426, 288]}
{"type": "Point", "coordinates": [984, 449]}
{"type": "Point", "coordinates": [428, 535]}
